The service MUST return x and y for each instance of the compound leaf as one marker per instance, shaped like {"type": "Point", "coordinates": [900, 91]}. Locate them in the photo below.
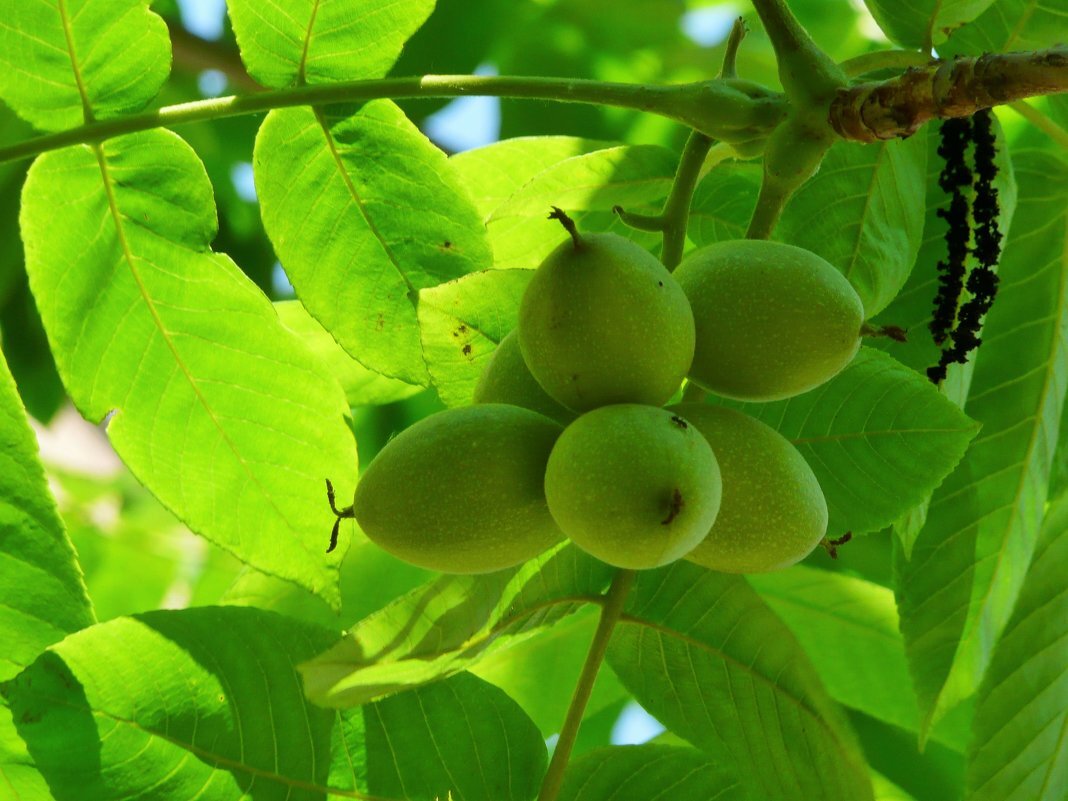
{"type": "Point", "coordinates": [212, 403]}
{"type": "Point", "coordinates": [317, 41]}
{"type": "Point", "coordinates": [969, 560]}
{"type": "Point", "coordinates": [66, 62]}
{"type": "Point", "coordinates": [705, 656]}
{"type": "Point", "coordinates": [364, 212]}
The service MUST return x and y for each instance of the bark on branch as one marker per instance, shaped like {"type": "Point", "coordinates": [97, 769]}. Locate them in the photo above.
{"type": "Point", "coordinates": [896, 108]}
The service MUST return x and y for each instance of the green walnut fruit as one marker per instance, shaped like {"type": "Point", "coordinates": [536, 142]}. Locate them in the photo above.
{"type": "Point", "coordinates": [603, 322]}
{"type": "Point", "coordinates": [507, 379]}
{"type": "Point", "coordinates": [635, 486]}
{"type": "Point", "coordinates": [773, 320]}
{"type": "Point", "coordinates": [462, 491]}
{"type": "Point", "coordinates": [773, 511]}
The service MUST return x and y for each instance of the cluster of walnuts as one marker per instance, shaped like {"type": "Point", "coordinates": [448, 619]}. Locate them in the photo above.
{"type": "Point", "coordinates": [569, 435]}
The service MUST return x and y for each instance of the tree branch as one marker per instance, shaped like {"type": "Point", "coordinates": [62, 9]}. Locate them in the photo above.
{"type": "Point", "coordinates": [898, 107]}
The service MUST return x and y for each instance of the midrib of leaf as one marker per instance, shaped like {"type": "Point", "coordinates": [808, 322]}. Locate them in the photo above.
{"type": "Point", "coordinates": [128, 257]}
{"type": "Point", "coordinates": [344, 173]}
{"type": "Point", "coordinates": [87, 110]}
{"type": "Point", "coordinates": [1021, 23]}
{"type": "Point", "coordinates": [747, 669]}
{"type": "Point", "coordinates": [306, 46]}
{"type": "Point", "coordinates": [928, 36]}
{"type": "Point", "coordinates": [1025, 474]}
{"type": "Point", "coordinates": [867, 205]}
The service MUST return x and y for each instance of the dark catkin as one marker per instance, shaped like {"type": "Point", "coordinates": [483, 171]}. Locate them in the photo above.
{"type": "Point", "coordinates": [982, 283]}
{"type": "Point", "coordinates": [956, 134]}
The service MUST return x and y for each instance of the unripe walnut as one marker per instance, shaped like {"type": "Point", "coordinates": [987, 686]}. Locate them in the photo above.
{"type": "Point", "coordinates": [635, 486]}
{"type": "Point", "coordinates": [603, 322]}
{"type": "Point", "coordinates": [507, 379]}
{"type": "Point", "coordinates": [462, 491]}
{"type": "Point", "coordinates": [773, 320]}
{"type": "Point", "coordinates": [773, 511]}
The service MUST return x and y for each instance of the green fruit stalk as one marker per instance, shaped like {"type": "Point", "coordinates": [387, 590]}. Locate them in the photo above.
{"type": "Point", "coordinates": [507, 379]}
{"type": "Point", "coordinates": [603, 322]}
{"type": "Point", "coordinates": [773, 320]}
{"type": "Point", "coordinates": [636, 486]}
{"type": "Point", "coordinates": [462, 491]}
{"type": "Point", "coordinates": [773, 513]}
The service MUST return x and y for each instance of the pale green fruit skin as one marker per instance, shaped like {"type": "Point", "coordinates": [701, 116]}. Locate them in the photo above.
{"type": "Point", "coordinates": [773, 512]}
{"type": "Point", "coordinates": [773, 320]}
{"type": "Point", "coordinates": [611, 484]}
{"type": "Point", "coordinates": [604, 323]}
{"type": "Point", "coordinates": [462, 491]}
{"type": "Point", "coordinates": [507, 379]}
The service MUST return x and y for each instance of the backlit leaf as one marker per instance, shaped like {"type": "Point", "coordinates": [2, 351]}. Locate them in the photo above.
{"type": "Point", "coordinates": [65, 62]}
{"type": "Point", "coordinates": [446, 625]}
{"type": "Point", "coordinates": [318, 41]}
{"type": "Point", "coordinates": [42, 595]}
{"type": "Point", "coordinates": [364, 212]}
{"type": "Point", "coordinates": [214, 406]}
{"type": "Point", "coordinates": [462, 322]}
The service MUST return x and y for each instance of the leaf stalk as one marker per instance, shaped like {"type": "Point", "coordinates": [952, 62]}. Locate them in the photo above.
{"type": "Point", "coordinates": [610, 614]}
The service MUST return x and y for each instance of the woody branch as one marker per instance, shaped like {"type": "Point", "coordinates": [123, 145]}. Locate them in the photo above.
{"type": "Point", "coordinates": [897, 107]}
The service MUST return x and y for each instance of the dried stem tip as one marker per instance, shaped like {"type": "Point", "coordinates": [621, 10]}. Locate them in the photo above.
{"type": "Point", "coordinates": [559, 214]}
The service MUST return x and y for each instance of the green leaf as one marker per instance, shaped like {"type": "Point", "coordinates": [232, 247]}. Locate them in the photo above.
{"type": "Point", "coordinates": [832, 615]}
{"type": "Point", "coordinates": [922, 23]}
{"type": "Point", "coordinates": [362, 387]}
{"type": "Point", "coordinates": [213, 405]}
{"type": "Point", "coordinates": [1011, 25]}
{"type": "Point", "coordinates": [364, 212]}
{"type": "Point", "coordinates": [522, 243]}
{"type": "Point", "coordinates": [597, 181]}
{"type": "Point", "coordinates": [878, 436]}
{"type": "Point", "coordinates": [723, 203]}
{"type": "Point", "coordinates": [315, 41]}
{"type": "Point", "coordinates": [534, 671]}
{"type": "Point", "coordinates": [461, 738]}
{"type": "Point", "coordinates": [494, 173]}
{"type": "Point", "coordinates": [42, 595]}
{"type": "Point", "coordinates": [207, 703]}
{"type": "Point", "coordinates": [446, 625]}
{"type": "Point", "coordinates": [66, 62]}
{"type": "Point", "coordinates": [649, 773]}
{"type": "Point", "coordinates": [462, 322]}
{"type": "Point", "coordinates": [969, 561]}
{"type": "Point", "coordinates": [18, 774]}
{"type": "Point", "coordinates": [1020, 747]}
{"type": "Point", "coordinates": [863, 212]}
{"type": "Point", "coordinates": [705, 656]}
{"type": "Point", "coordinates": [886, 790]}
